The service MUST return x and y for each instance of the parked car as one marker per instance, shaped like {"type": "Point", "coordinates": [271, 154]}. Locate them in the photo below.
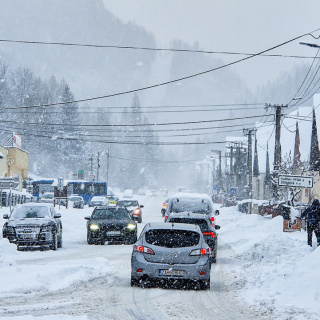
{"type": "Point", "coordinates": [206, 225]}
{"type": "Point", "coordinates": [33, 224]}
{"type": "Point", "coordinates": [112, 224]}
{"type": "Point", "coordinates": [190, 202]}
{"type": "Point", "coordinates": [98, 201]}
{"type": "Point", "coordinates": [142, 192]}
{"type": "Point", "coordinates": [47, 197]}
{"type": "Point", "coordinates": [128, 193]}
{"type": "Point", "coordinates": [153, 193]}
{"type": "Point", "coordinates": [133, 207]}
{"type": "Point", "coordinates": [168, 253]}
{"type": "Point", "coordinates": [77, 201]}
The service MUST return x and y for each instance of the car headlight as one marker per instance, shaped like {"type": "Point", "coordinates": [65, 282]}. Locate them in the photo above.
{"type": "Point", "coordinates": [46, 228]}
{"type": "Point", "coordinates": [94, 227]}
{"type": "Point", "coordinates": [131, 226]}
{"type": "Point", "coordinates": [136, 211]}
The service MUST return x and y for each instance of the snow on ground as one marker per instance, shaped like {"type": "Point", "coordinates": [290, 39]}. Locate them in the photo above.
{"type": "Point", "coordinates": [275, 272]}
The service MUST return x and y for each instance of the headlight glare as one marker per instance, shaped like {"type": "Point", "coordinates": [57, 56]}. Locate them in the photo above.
{"type": "Point", "coordinates": [131, 226]}
{"type": "Point", "coordinates": [94, 227]}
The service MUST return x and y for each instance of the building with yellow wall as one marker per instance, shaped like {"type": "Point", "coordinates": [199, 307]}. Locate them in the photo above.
{"type": "Point", "coordinates": [14, 164]}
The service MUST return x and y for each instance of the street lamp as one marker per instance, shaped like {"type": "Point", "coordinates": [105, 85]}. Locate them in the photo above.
{"type": "Point", "coordinates": [313, 45]}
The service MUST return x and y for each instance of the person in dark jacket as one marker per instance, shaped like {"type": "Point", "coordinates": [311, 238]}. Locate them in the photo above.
{"type": "Point", "coordinates": [313, 219]}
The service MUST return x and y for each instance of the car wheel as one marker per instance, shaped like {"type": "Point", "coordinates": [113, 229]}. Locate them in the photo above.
{"type": "Point", "coordinates": [205, 284]}
{"type": "Point", "coordinates": [54, 244]}
{"type": "Point", "coordinates": [132, 240]}
{"type": "Point", "coordinates": [134, 282]}
{"type": "Point", "coordinates": [140, 219]}
{"type": "Point", "coordinates": [89, 240]}
{"type": "Point", "coordinates": [60, 242]}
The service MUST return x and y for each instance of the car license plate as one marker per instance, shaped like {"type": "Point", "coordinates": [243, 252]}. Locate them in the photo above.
{"type": "Point", "coordinates": [113, 202]}
{"type": "Point", "coordinates": [170, 272]}
{"type": "Point", "coordinates": [113, 233]}
{"type": "Point", "coordinates": [28, 236]}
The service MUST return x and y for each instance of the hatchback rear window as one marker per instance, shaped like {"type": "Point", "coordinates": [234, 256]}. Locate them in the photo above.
{"type": "Point", "coordinates": [172, 238]}
{"type": "Point", "coordinates": [200, 222]}
{"type": "Point", "coordinates": [191, 206]}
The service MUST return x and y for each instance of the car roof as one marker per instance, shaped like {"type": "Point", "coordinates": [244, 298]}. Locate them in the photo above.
{"type": "Point", "coordinates": [35, 204]}
{"type": "Point", "coordinates": [169, 226]}
{"type": "Point", "coordinates": [187, 214]}
{"type": "Point", "coordinates": [191, 196]}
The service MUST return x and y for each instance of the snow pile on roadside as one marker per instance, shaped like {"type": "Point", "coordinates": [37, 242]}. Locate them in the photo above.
{"type": "Point", "coordinates": [277, 270]}
{"type": "Point", "coordinates": [48, 277]}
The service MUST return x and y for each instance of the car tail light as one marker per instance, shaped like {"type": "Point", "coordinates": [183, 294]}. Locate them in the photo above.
{"type": "Point", "coordinates": [166, 217]}
{"type": "Point", "coordinates": [164, 205]}
{"type": "Point", "coordinates": [209, 234]}
{"type": "Point", "coordinates": [142, 249]}
{"type": "Point", "coordinates": [212, 219]}
{"type": "Point", "coordinates": [202, 273]}
{"type": "Point", "coordinates": [200, 252]}
{"type": "Point", "coordinates": [139, 270]}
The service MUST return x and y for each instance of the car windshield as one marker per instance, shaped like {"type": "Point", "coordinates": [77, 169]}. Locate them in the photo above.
{"type": "Point", "coordinates": [191, 206]}
{"type": "Point", "coordinates": [127, 203]}
{"type": "Point", "coordinates": [200, 222]}
{"type": "Point", "coordinates": [74, 198]}
{"type": "Point", "coordinates": [48, 196]}
{"type": "Point", "coordinates": [31, 212]}
{"type": "Point", "coordinates": [172, 238]}
{"type": "Point", "coordinates": [110, 213]}
{"type": "Point", "coordinates": [98, 199]}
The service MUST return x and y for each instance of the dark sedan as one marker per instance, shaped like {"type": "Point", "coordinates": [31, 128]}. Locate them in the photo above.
{"type": "Point", "coordinates": [111, 224]}
{"type": "Point", "coordinates": [206, 225]}
{"type": "Point", "coordinates": [33, 224]}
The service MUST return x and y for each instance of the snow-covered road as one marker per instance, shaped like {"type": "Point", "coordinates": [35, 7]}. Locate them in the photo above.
{"type": "Point", "coordinates": [93, 282]}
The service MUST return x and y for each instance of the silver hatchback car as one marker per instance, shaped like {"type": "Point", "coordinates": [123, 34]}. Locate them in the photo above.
{"type": "Point", "coordinates": [168, 252]}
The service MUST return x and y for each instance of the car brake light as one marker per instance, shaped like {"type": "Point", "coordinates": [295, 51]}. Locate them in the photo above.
{"type": "Point", "coordinates": [209, 234]}
{"type": "Point", "coordinates": [143, 249]}
{"type": "Point", "coordinates": [166, 217]}
{"type": "Point", "coordinates": [212, 219]}
{"type": "Point", "coordinates": [202, 273]}
{"type": "Point", "coordinates": [199, 252]}
{"type": "Point", "coordinates": [164, 205]}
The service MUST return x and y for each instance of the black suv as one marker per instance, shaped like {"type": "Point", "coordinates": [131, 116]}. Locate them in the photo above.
{"type": "Point", "coordinates": [206, 225]}
{"type": "Point", "coordinates": [33, 224]}
{"type": "Point", "coordinates": [111, 224]}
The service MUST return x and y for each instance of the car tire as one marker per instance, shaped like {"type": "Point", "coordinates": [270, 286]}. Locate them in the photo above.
{"type": "Point", "coordinates": [60, 242]}
{"type": "Point", "coordinates": [205, 284]}
{"type": "Point", "coordinates": [140, 220]}
{"type": "Point", "coordinates": [89, 240]}
{"type": "Point", "coordinates": [134, 282]}
{"type": "Point", "coordinates": [54, 244]}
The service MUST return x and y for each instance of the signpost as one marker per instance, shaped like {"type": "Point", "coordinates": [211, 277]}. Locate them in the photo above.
{"type": "Point", "coordinates": [295, 181]}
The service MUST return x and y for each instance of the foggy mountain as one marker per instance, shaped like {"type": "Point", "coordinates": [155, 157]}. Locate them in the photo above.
{"type": "Point", "coordinates": [92, 72]}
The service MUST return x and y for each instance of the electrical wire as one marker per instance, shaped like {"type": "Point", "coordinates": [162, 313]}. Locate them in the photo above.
{"type": "Point", "coordinates": [167, 82]}
{"type": "Point", "coordinates": [148, 48]}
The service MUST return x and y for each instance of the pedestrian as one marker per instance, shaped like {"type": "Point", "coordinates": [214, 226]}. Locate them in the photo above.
{"type": "Point", "coordinates": [312, 213]}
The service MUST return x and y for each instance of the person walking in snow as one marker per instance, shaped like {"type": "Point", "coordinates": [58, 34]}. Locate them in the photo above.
{"type": "Point", "coordinates": [312, 213]}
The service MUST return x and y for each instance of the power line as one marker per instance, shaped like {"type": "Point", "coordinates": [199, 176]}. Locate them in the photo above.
{"type": "Point", "coordinates": [150, 49]}
{"type": "Point", "coordinates": [131, 125]}
{"type": "Point", "coordinates": [167, 82]}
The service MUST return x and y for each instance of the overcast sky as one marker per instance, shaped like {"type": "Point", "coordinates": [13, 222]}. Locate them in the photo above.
{"type": "Point", "coordinates": [230, 25]}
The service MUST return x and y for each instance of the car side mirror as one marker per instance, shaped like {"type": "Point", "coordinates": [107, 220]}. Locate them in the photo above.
{"type": "Point", "coordinates": [57, 215]}
{"type": "Point", "coordinates": [6, 216]}
{"type": "Point", "coordinates": [142, 206]}
{"type": "Point", "coordinates": [217, 227]}
{"type": "Point", "coordinates": [216, 212]}
{"type": "Point", "coordinates": [87, 218]}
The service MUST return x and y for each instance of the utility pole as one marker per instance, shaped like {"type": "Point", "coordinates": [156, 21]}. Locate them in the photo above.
{"type": "Point", "coordinates": [98, 166]}
{"type": "Point", "coordinates": [219, 170]}
{"type": "Point", "coordinates": [249, 133]}
{"type": "Point", "coordinates": [277, 144]}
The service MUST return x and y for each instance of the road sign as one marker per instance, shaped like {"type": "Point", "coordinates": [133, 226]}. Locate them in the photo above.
{"type": "Point", "coordinates": [233, 191]}
{"type": "Point", "coordinates": [295, 181]}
